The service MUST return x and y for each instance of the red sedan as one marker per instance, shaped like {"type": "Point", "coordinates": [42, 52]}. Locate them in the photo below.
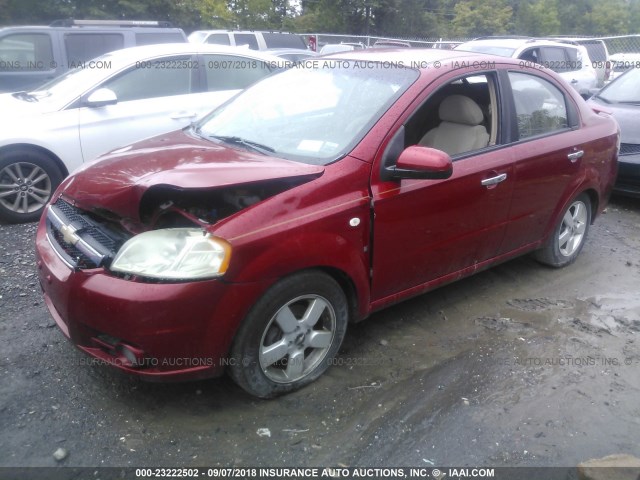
{"type": "Point", "coordinates": [247, 242]}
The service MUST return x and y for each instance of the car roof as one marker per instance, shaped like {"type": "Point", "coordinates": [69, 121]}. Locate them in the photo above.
{"type": "Point", "coordinates": [90, 28]}
{"type": "Point", "coordinates": [278, 51]}
{"type": "Point", "coordinates": [222, 30]}
{"type": "Point", "coordinates": [517, 42]}
{"type": "Point", "coordinates": [131, 54]}
{"type": "Point", "coordinates": [415, 56]}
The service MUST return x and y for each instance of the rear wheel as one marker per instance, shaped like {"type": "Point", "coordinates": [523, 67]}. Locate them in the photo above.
{"type": "Point", "coordinates": [569, 236]}
{"type": "Point", "coordinates": [290, 336]}
{"type": "Point", "coordinates": [27, 182]}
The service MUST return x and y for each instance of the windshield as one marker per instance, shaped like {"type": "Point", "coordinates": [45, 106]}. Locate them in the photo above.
{"type": "Point", "coordinates": [314, 114]}
{"type": "Point", "coordinates": [489, 49]}
{"type": "Point", "coordinates": [79, 79]}
{"type": "Point", "coordinates": [625, 89]}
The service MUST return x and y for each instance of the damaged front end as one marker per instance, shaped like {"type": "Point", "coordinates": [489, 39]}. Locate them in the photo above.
{"type": "Point", "coordinates": [171, 240]}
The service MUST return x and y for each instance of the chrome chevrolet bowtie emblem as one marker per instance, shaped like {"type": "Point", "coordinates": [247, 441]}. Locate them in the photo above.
{"type": "Point", "coordinates": [69, 234]}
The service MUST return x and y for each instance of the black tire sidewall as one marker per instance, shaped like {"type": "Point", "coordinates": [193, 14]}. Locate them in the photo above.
{"type": "Point", "coordinates": [244, 363]}
{"type": "Point", "coordinates": [551, 253]}
{"type": "Point", "coordinates": [41, 160]}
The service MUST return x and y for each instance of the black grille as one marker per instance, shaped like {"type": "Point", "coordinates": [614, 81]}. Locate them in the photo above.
{"type": "Point", "coordinates": [629, 148]}
{"type": "Point", "coordinates": [97, 245]}
{"type": "Point", "coordinates": [72, 254]}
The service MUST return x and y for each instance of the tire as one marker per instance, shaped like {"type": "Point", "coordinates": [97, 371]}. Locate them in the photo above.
{"type": "Point", "coordinates": [28, 179]}
{"type": "Point", "coordinates": [290, 335]}
{"type": "Point", "coordinates": [569, 236]}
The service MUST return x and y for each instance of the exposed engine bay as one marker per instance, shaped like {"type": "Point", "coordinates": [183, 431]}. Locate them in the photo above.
{"type": "Point", "coordinates": [167, 206]}
{"type": "Point", "coordinates": [94, 237]}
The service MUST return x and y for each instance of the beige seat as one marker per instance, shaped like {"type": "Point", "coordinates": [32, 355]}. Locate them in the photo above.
{"type": "Point", "coordinates": [460, 129]}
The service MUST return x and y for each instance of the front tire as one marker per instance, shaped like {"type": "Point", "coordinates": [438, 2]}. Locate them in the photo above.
{"type": "Point", "coordinates": [27, 181]}
{"type": "Point", "coordinates": [569, 236]}
{"type": "Point", "coordinates": [290, 335]}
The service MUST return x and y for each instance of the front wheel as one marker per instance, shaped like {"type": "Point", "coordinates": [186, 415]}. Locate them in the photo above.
{"type": "Point", "coordinates": [290, 336]}
{"type": "Point", "coordinates": [27, 182]}
{"type": "Point", "coordinates": [569, 236]}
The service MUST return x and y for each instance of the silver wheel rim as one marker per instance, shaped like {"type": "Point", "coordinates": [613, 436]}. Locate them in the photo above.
{"type": "Point", "coordinates": [24, 187]}
{"type": "Point", "coordinates": [574, 225]}
{"type": "Point", "coordinates": [297, 338]}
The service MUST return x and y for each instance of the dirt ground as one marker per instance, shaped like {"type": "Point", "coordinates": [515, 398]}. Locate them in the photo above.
{"type": "Point", "coordinates": [521, 365]}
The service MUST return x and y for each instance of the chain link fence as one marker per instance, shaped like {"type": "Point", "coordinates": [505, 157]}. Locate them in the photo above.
{"type": "Point", "coordinates": [623, 50]}
{"type": "Point", "coordinates": [318, 40]}
{"type": "Point", "coordinates": [615, 44]}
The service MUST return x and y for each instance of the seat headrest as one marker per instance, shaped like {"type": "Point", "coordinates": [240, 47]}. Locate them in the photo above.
{"type": "Point", "coordinates": [460, 109]}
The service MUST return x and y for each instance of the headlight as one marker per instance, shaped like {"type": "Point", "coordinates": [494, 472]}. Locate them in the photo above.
{"type": "Point", "coordinates": [174, 254]}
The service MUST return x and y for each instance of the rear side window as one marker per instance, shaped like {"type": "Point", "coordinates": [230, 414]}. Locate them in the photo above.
{"type": "Point", "coordinates": [556, 59]}
{"type": "Point", "coordinates": [283, 40]}
{"type": "Point", "coordinates": [86, 46]}
{"type": "Point", "coordinates": [248, 39]}
{"type": "Point", "coordinates": [153, 38]}
{"type": "Point", "coordinates": [159, 78]}
{"type": "Point", "coordinates": [540, 106]}
{"type": "Point", "coordinates": [226, 72]}
{"type": "Point", "coordinates": [26, 52]}
{"type": "Point", "coordinates": [597, 52]}
{"type": "Point", "coordinates": [219, 39]}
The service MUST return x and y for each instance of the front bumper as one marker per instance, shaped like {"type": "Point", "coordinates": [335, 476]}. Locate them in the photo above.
{"type": "Point", "coordinates": [158, 331]}
{"type": "Point", "coordinates": [628, 179]}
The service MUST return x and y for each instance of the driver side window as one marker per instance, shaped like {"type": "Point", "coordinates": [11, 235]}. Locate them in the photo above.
{"type": "Point", "coordinates": [460, 117]}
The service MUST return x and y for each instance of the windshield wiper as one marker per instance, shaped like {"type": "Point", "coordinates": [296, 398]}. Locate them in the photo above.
{"type": "Point", "coordinates": [258, 147]}
{"type": "Point", "coordinates": [602, 98]}
{"type": "Point", "coordinates": [26, 96]}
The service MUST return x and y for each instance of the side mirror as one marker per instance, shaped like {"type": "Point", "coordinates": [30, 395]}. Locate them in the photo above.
{"type": "Point", "coordinates": [101, 98]}
{"type": "Point", "coordinates": [421, 163]}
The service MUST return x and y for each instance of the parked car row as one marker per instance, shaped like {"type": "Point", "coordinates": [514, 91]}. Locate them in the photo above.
{"type": "Point", "coordinates": [31, 56]}
{"type": "Point", "coordinates": [130, 94]}
{"type": "Point", "coordinates": [570, 60]}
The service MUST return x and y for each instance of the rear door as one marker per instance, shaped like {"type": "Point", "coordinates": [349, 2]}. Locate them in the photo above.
{"type": "Point", "coordinates": [547, 147]}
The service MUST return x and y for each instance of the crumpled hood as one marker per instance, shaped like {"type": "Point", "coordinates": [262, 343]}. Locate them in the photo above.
{"type": "Point", "coordinates": [117, 181]}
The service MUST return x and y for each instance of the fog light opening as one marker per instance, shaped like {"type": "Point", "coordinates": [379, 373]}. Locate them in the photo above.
{"type": "Point", "coordinates": [131, 356]}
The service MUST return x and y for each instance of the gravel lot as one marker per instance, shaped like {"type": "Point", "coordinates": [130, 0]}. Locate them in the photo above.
{"type": "Point", "coordinates": [520, 365]}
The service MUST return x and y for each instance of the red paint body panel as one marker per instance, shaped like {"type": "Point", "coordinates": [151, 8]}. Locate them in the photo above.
{"type": "Point", "coordinates": [185, 328]}
{"type": "Point", "coordinates": [119, 179]}
{"type": "Point", "coordinates": [386, 240]}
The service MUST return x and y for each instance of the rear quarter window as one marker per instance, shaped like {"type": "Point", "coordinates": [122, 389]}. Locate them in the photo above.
{"type": "Point", "coordinates": [248, 39]}
{"type": "Point", "coordinates": [219, 39]}
{"type": "Point", "coordinates": [283, 40]}
{"type": "Point", "coordinates": [597, 52]}
{"type": "Point", "coordinates": [25, 52]}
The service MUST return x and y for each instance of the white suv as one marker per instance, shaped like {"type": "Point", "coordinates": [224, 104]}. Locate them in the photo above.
{"type": "Point", "coordinates": [255, 40]}
{"type": "Point", "coordinates": [567, 58]}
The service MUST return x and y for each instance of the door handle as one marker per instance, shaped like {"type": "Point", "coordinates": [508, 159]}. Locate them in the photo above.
{"type": "Point", "coordinates": [182, 115]}
{"type": "Point", "coordinates": [494, 180]}
{"type": "Point", "coordinates": [575, 156]}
